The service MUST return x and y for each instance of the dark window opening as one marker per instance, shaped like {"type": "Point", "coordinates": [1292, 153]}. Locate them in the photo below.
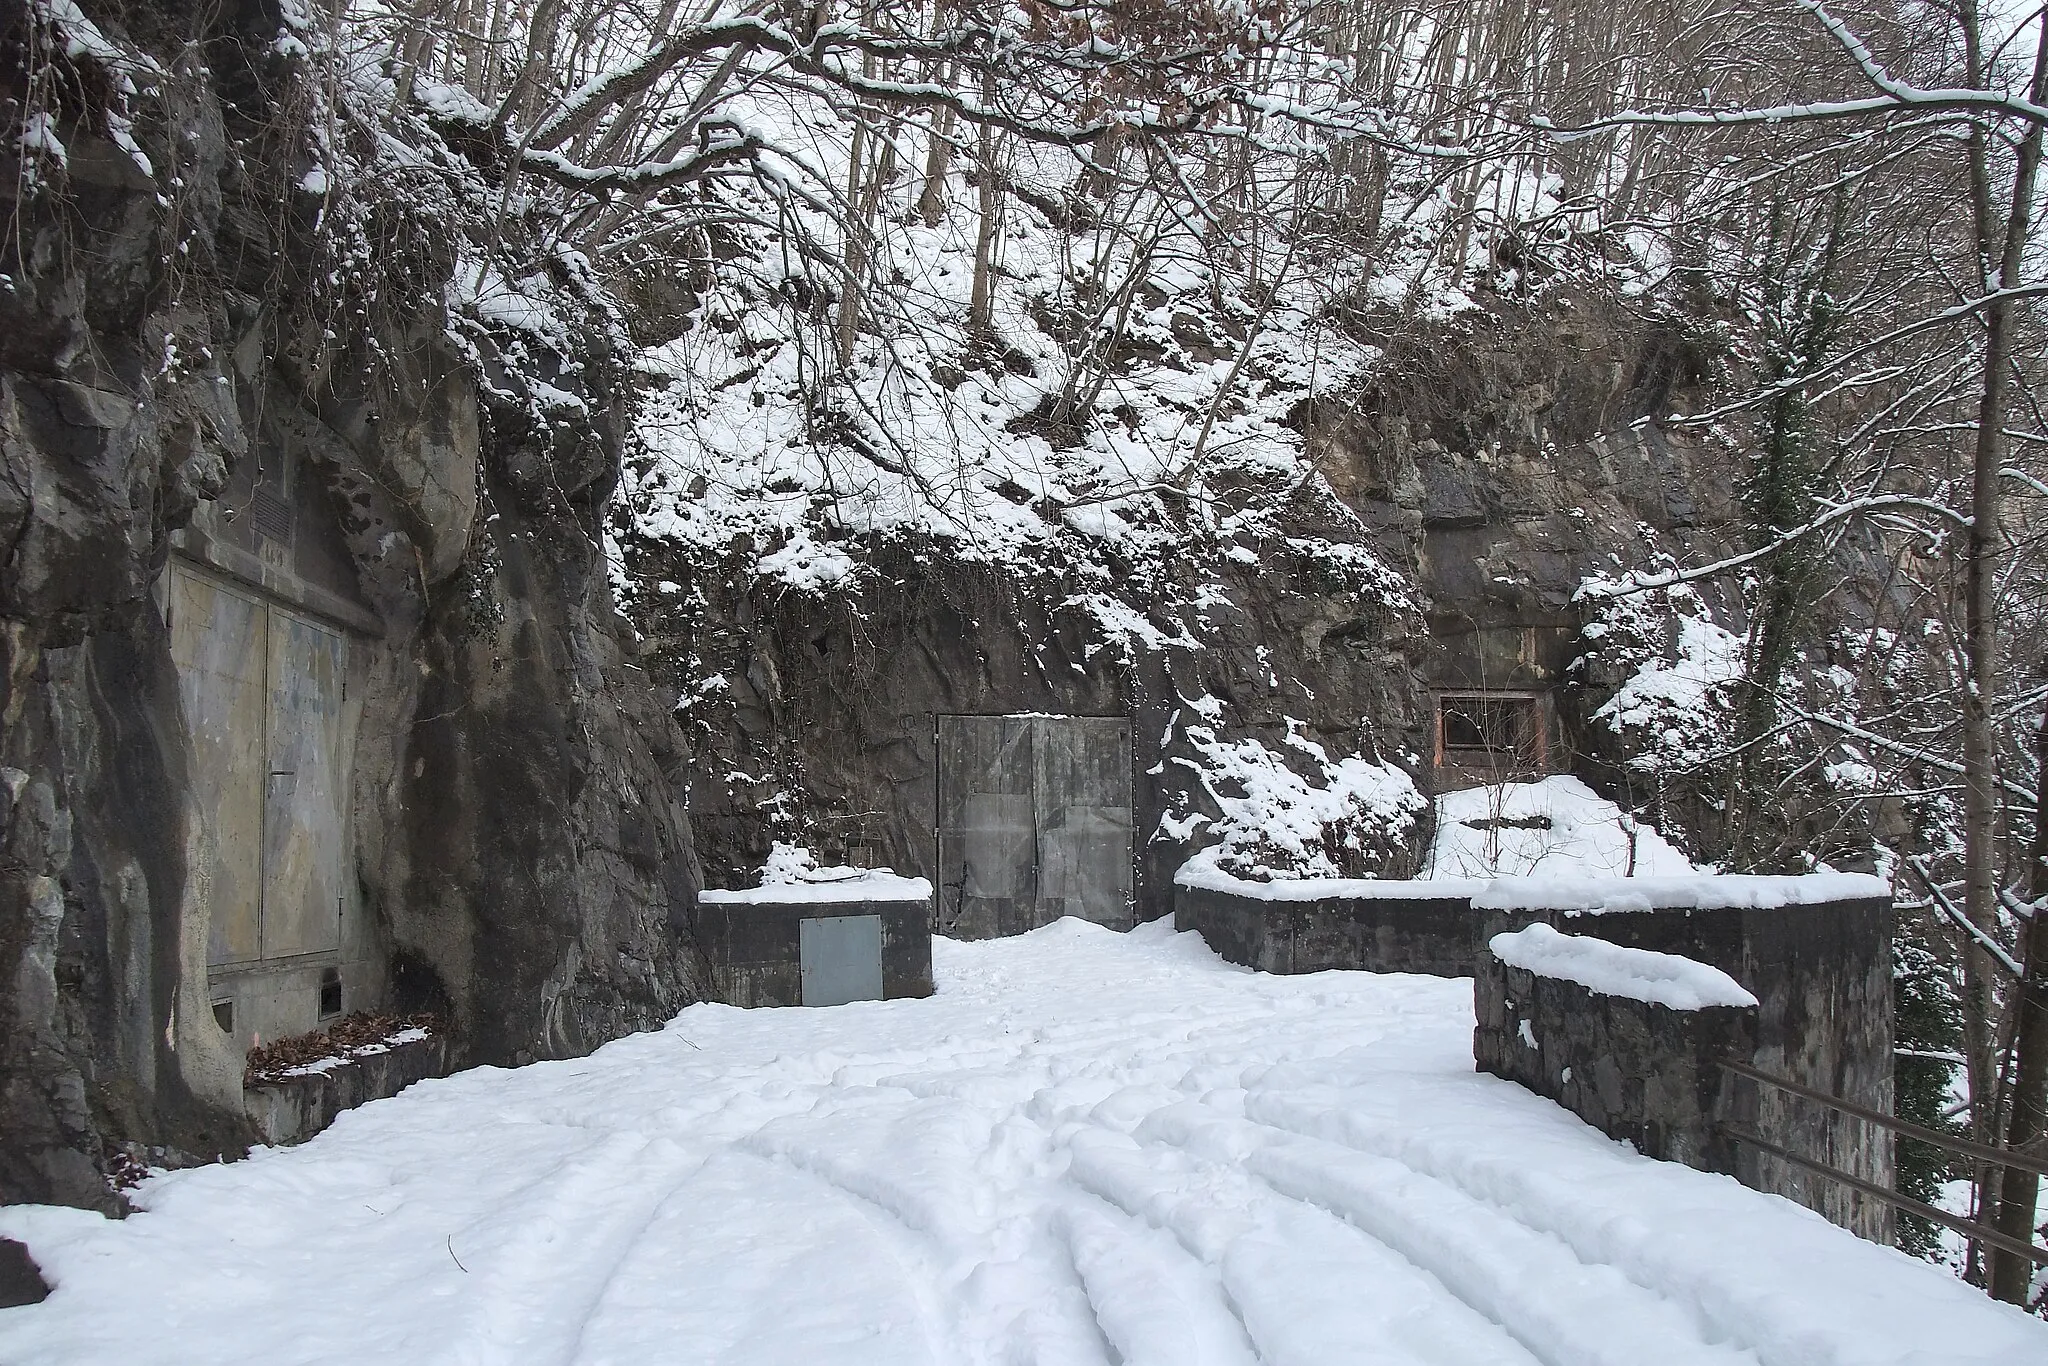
{"type": "Point", "coordinates": [1489, 729]}
{"type": "Point", "coordinates": [224, 1015]}
{"type": "Point", "coordinates": [330, 993]}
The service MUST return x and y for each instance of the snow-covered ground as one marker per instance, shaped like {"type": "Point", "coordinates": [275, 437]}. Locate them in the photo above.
{"type": "Point", "coordinates": [1087, 1148]}
{"type": "Point", "coordinates": [1552, 825]}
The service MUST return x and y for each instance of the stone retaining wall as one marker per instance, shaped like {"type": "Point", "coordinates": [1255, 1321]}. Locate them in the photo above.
{"type": "Point", "coordinates": [293, 1109]}
{"type": "Point", "coordinates": [1819, 963]}
{"type": "Point", "coordinates": [1634, 1070]}
{"type": "Point", "coordinates": [1815, 951]}
{"type": "Point", "coordinates": [1313, 927]}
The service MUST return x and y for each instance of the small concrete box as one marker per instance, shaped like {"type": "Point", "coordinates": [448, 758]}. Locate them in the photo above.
{"type": "Point", "coordinates": [819, 944]}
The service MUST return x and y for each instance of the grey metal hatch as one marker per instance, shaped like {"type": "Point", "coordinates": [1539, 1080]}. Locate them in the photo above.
{"type": "Point", "coordinates": [840, 958]}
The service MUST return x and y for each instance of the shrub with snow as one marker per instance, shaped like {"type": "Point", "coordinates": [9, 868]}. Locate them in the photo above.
{"type": "Point", "coordinates": [1672, 673]}
{"type": "Point", "coordinates": [1555, 825]}
{"type": "Point", "coordinates": [1298, 813]}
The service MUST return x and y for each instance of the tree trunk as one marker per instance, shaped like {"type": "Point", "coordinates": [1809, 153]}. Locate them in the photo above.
{"type": "Point", "coordinates": [981, 298]}
{"type": "Point", "coordinates": [931, 198]}
{"type": "Point", "coordinates": [1980, 645]}
{"type": "Point", "coordinates": [2027, 1110]}
{"type": "Point", "coordinates": [853, 264]}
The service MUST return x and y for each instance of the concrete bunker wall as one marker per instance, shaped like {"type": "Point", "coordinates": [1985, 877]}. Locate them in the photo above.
{"type": "Point", "coordinates": [764, 946]}
{"type": "Point", "coordinates": [1033, 822]}
{"type": "Point", "coordinates": [514, 825]}
{"type": "Point", "coordinates": [895, 731]}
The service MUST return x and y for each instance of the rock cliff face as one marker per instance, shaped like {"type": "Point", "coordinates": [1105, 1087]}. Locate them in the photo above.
{"type": "Point", "coordinates": [171, 339]}
{"type": "Point", "coordinates": [1510, 454]}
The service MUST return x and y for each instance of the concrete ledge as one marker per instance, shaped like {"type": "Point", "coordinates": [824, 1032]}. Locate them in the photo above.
{"type": "Point", "coordinates": [839, 891]}
{"type": "Point", "coordinates": [238, 563]}
{"type": "Point", "coordinates": [1317, 924]}
{"type": "Point", "coordinates": [1414, 933]}
{"type": "Point", "coordinates": [291, 1109]}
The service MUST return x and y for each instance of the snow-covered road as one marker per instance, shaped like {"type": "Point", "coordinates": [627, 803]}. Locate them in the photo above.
{"type": "Point", "coordinates": [1088, 1148]}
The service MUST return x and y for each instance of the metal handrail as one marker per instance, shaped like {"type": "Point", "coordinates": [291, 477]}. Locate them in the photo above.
{"type": "Point", "coordinates": [1982, 1152]}
{"type": "Point", "coordinates": [1982, 1232]}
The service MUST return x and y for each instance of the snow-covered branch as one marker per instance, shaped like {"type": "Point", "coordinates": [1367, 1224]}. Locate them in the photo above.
{"type": "Point", "coordinates": [1637, 581]}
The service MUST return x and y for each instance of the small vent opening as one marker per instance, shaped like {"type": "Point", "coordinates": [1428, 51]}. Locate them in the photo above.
{"type": "Point", "coordinates": [273, 515]}
{"type": "Point", "coordinates": [224, 1015]}
{"type": "Point", "coordinates": [330, 993]}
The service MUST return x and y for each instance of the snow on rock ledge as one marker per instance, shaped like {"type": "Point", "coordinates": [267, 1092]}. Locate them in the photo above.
{"type": "Point", "coordinates": [1663, 979]}
{"type": "Point", "coordinates": [1593, 895]}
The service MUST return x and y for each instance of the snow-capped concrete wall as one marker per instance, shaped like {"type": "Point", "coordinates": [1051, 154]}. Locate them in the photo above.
{"type": "Point", "coordinates": [1318, 924]}
{"type": "Point", "coordinates": [1814, 951]}
{"type": "Point", "coordinates": [294, 1107]}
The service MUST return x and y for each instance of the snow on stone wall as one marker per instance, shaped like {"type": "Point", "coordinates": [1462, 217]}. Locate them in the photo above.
{"type": "Point", "coordinates": [1705, 891]}
{"type": "Point", "coordinates": [1664, 979]}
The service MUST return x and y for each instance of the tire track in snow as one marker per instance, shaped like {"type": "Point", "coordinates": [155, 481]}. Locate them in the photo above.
{"type": "Point", "coordinates": [722, 1276]}
{"type": "Point", "coordinates": [1307, 1288]}
{"type": "Point", "coordinates": [910, 1160]}
{"type": "Point", "coordinates": [543, 1260]}
{"type": "Point", "coordinates": [1156, 1305]}
{"type": "Point", "coordinates": [1566, 1222]}
{"type": "Point", "coordinates": [1567, 1311]}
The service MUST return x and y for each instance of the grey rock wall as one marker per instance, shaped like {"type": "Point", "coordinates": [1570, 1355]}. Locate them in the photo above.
{"type": "Point", "coordinates": [827, 709]}
{"type": "Point", "coordinates": [1496, 464]}
{"type": "Point", "coordinates": [518, 834]}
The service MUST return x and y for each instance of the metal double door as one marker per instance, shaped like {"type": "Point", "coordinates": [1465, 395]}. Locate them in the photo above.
{"type": "Point", "coordinates": [262, 689]}
{"type": "Point", "coordinates": [1034, 822]}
